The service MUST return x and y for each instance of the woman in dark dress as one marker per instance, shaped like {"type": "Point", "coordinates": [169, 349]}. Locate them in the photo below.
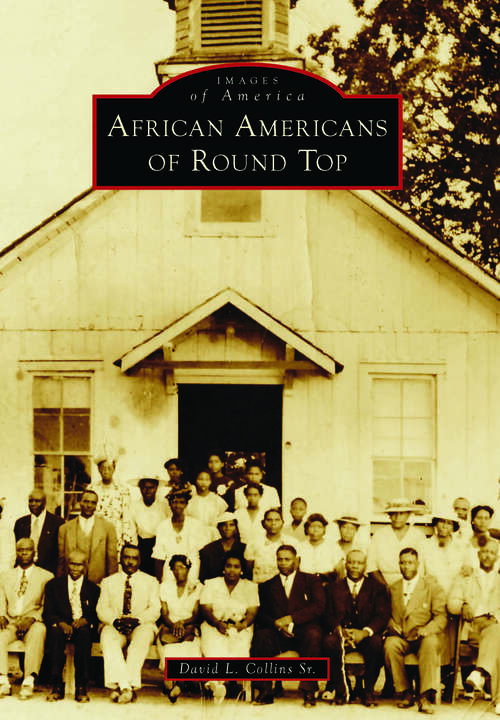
{"type": "Point", "coordinates": [213, 555]}
{"type": "Point", "coordinates": [222, 484]}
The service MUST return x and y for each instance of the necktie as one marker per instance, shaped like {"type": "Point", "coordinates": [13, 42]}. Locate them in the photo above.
{"type": "Point", "coordinates": [127, 597]}
{"type": "Point", "coordinates": [75, 603]}
{"type": "Point", "coordinates": [354, 592]}
{"type": "Point", "coordinates": [35, 532]}
{"type": "Point", "coordinates": [23, 584]}
{"type": "Point", "coordinates": [406, 595]}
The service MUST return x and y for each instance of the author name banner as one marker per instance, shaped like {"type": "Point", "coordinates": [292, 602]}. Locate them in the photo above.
{"type": "Point", "coordinates": [288, 668]}
{"type": "Point", "coordinates": [249, 126]}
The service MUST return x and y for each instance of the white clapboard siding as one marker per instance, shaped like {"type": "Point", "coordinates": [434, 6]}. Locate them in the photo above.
{"type": "Point", "coordinates": [120, 266]}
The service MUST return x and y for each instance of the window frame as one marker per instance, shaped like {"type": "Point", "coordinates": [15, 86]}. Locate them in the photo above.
{"type": "Point", "coordinates": [193, 225]}
{"type": "Point", "coordinates": [61, 374]}
{"type": "Point", "coordinates": [393, 371]}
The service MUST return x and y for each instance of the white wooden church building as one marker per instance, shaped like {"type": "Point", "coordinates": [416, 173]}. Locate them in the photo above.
{"type": "Point", "coordinates": [322, 328]}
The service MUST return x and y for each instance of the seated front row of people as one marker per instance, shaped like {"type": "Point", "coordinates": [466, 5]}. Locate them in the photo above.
{"type": "Point", "coordinates": [231, 616]}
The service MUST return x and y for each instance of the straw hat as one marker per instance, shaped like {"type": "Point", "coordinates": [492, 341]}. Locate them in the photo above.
{"type": "Point", "coordinates": [401, 505]}
{"type": "Point", "coordinates": [445, 514]}
{"type": "Point", "coordinates": [348, 519]}
{"type": "Point", "coordinates": [227, 517]}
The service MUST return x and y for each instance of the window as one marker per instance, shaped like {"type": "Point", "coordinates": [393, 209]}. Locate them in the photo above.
{"type": "Point", "coordinates": [403, 438]}
{"type": "Point", "coordinates": [233, 206]}
{"type": "Point", "coordinates": [61, 439]}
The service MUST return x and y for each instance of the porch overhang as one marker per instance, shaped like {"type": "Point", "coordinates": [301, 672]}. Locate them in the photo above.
{"type": "Point", "coordinates": [314, 358]}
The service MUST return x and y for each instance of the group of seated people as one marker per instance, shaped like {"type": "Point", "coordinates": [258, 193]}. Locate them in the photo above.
{"type": "Point", "coordinates": [213, 571]}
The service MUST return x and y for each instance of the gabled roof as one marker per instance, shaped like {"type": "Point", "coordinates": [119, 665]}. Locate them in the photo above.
{"type": "Point", "coordinates": [450, 254]}
{"type": "Point", "coordinates": [85, 202]}
{"type": "Point", "coordinates": [200, 312]}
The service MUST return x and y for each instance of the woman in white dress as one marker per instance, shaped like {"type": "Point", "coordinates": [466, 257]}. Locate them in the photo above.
{"type": "Point", "coordinates": [319, 555]}
{"type": "Point", "coordinates": [348, 526]}
{"type": "Point", "coordinates": [179, 534]}
{"type": "Point", "coordinates": [206, 506]}
{"type": "Point", "coordinates": [261, 554]}
{"type": "Point", "coordinates": [228, 606]}
{"type": "Point", "coordinates": [179, 633]}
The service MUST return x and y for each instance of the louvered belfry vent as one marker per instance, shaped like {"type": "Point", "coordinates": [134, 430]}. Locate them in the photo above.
{"type": "Point", "coordinates": [231, 22]}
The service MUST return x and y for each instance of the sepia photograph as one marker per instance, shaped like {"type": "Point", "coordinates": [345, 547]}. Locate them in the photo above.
{"type": "Point", "coordinates": [245, 429]}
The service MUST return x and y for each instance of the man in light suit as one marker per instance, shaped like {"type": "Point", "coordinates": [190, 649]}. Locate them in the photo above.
{"type": "Point", "coordinates": [477, 598]}
{"type": "Point", "coordinates": [92, 535]}
{"type": "Point", "coordinates": [21, 602]}
{"type": "Point", "coordinates": [42, 527]}
{"type": "Point", "coordinates": [291, 605]}
{"type": "Point", "coordinates": [70, 616]}
{"type": "Point", "coordinates": [129, 607]}
{"type": "Point", "coordinates": [418, 616]}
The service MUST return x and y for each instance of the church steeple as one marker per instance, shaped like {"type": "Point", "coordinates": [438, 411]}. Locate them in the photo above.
{"type": "Point", "coordinates": [218, 31]}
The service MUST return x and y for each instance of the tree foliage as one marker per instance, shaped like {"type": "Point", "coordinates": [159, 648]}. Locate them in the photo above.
{"type": "Point", "coordinates": [443, 57]}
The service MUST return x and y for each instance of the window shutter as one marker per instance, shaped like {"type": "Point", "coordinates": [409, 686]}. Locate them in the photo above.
{"type": "Point", "coordinates": [231, 22]}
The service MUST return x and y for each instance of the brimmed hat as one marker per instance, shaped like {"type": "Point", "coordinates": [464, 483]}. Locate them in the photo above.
{"type": "Point", "coordinates": [399, 505]}
{"type": "Point", "coordinates": [477, 508]}
{"type": "Point", "coordinates": [136, 481]}
{"type": "Point", "coordinates": [104, 457]}
{"type": "Point", "coordinates": [348, 519]}
{"type": "Point", "coordinates": [149, 478]}
{"type": "Point", "coordinates": [445, 514]}
{"type": "Point", "coordinates": [227, 517]}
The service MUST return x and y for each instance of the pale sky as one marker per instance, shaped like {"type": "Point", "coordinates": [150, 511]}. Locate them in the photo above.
{"type": "Point", "coordinates": [54, 55]}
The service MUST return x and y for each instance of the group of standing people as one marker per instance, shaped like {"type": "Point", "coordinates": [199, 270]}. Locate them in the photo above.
{"type": "Point", "coordinates": [212, 570]}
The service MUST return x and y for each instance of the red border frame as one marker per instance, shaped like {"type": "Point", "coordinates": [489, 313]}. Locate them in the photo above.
{"type": "Point", "coordinates": [244, 679]}
{"type": "Point", "coordinates": [247, 187]}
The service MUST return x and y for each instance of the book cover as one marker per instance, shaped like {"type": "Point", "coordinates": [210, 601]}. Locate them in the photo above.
{"type": "Point", "coordinates": [331, 333]}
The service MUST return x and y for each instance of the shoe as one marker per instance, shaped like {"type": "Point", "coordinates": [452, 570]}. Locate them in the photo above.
{"type": "Point", "coordinates": [406, 700]}
{"type": "Point", "coordinates": [5, 689]}
{"type": "Point", "coordinates": [340, 699]}
{"type": "Point", "coordinates": [126, 696]}
{"type": "Point", "coordinates": [327, 695]}
{"type": "Point", "coordinates": [173, 694]}
{"type": "Point", "coordinates": [369, 700]}
{"type": "Point", "coordinates": [475, 681]}
{"type": "Point", "coordinates": [81, 694]}
{"type": "Point", "coordinates": [264, 699]}
{"type": "Point", "coordinates": [114, 695]}
{"type": "Point", "coordinates": [425, 706]}
{"type": "Point", "coordinates": [497, 709]}
{"type": "Point", "coordinates": [57, 693]}
{"type": "Point", "coordinates": [26, 691]}
{"type": "Point", "coordinates": [309, 699]}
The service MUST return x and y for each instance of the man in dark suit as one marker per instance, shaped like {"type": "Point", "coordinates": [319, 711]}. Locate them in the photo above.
{"type": "Point", "coordinates": [357, 613]}
{"type": "Point", "coordinates": [291, 605]}
{"type": "Point", "coordinates": [70, 616]}
{"type": "Point", "coordinates": [42, 527]}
